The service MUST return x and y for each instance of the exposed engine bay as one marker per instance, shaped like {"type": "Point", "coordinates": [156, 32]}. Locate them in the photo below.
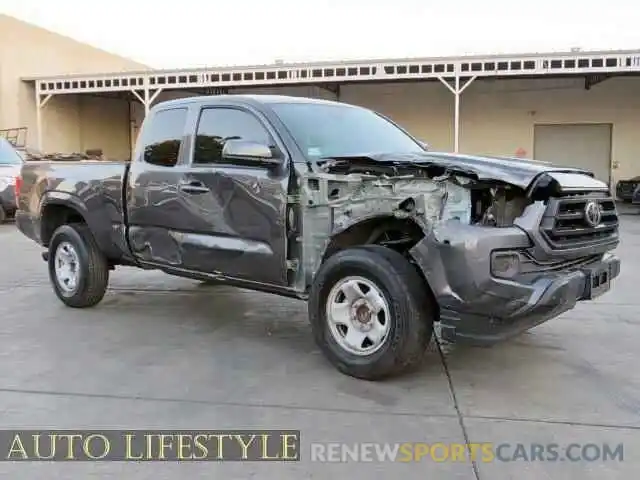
{"type": "Point", "coordinates": [435, 195]}
{"type": "Point", "coordinates": [489, 191]}
{"type": "Point", "coordinates": [498, 206]}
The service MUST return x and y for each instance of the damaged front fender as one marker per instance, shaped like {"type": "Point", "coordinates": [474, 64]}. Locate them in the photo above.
{"type": "Point", "coordinates": [334, 207]}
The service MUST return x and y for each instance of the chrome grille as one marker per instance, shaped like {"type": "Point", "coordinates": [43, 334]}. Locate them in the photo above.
{"type": "Point", "coordinates": [565, 224]}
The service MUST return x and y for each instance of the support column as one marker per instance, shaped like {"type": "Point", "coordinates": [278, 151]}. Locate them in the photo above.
{"type": "Point", "coordinates": [147, 102]}
{"type": "Point", "coordinates": [40, 103]}
{"type": "Point", "coordinates": [457, 91]}
{"type": "Point", "coordinates": [147, 98]}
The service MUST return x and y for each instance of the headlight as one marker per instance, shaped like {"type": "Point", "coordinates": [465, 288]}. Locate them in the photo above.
{"type": "Point", "coordinates": [5, 182]}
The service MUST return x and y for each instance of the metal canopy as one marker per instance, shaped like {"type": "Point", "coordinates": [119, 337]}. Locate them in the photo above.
{"type": "Point", "coordinates": [461, 71]}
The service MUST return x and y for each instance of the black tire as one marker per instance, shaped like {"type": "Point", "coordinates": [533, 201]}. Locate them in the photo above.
{"type": "Point", "coordinates": [3, 215]}
{"type": "Point", "coordinates": [410, 304]}
{"type": "Point", "coordinates": [92, 266]}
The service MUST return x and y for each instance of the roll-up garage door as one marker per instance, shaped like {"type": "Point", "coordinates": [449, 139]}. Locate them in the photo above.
{"type": "Point", "coordinates": [584, 146]}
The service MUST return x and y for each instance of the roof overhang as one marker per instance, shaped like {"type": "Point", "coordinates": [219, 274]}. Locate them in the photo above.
{"type": "Point", "coordinates": [591, 64]}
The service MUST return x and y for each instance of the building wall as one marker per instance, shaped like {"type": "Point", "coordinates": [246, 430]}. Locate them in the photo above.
{"type": "Point", "coordinates": [70, 123]}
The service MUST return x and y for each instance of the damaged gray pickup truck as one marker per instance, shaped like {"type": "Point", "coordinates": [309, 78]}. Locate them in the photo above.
{"type": "Point", "coordinates": [333, 204]}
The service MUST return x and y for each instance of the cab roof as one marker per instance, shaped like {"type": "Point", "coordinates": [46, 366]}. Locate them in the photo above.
{"type": "Point", "coordinates": [256, 99]}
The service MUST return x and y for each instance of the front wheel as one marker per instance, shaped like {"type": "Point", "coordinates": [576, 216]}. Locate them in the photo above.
{"type": "Point", "coordinates": [78, 270]}
{"type": "Point", "coordinates": [371, 312]}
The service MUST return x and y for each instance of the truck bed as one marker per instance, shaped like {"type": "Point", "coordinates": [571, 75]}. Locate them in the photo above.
{"type": "Point", "coordinates": [89, 186]}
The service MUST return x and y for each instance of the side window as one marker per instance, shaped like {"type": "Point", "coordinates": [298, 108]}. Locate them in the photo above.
{"type": "Point", "coordinates": [162, 142]}
{"type": "Point", "coordinates": [217, 125]}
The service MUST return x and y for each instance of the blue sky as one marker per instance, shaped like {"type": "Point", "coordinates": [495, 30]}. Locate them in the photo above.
{"type": "Point", "coordinates": [188, 33]}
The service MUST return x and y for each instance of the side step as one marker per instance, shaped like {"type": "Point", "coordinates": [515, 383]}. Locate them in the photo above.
{"type": "Point", "coordinates": [45, 256]}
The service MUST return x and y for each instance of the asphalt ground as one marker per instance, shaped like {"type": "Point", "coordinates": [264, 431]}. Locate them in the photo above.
{"type": "Point", "coordinates": [166, 353]}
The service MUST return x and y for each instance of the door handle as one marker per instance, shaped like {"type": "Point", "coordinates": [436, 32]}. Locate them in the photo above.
{"type": "Point", "coordinates": [193, 186]}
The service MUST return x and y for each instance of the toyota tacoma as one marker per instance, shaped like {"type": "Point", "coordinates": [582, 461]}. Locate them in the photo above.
{"type": "Point", "coordinates": [336, 205]}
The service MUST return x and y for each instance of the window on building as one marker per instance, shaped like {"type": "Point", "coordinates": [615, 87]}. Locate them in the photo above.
{"type": "Point", "coordinates": [218, 125]}
{"type": "Point", "coordinates": [162, 142]}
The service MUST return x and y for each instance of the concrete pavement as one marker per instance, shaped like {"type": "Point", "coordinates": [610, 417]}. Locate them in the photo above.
{"type": "Point", "coordinates": [167, 353]}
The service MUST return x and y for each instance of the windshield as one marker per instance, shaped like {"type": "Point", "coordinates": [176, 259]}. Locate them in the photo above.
{"type": "Point", "coordinates": [322, 131]}
{"type": "Point", "coordinates": [8, 155]}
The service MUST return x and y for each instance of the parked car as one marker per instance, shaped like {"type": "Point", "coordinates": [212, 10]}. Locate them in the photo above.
{"type": "Point", "coordinates": [336, 205]}
{"type": "Point", "coordinates": [635, 197]}
{"type": "Point", "coordinates": [10, 164]}
{"type": "Point", "coordinates": [626, 188]}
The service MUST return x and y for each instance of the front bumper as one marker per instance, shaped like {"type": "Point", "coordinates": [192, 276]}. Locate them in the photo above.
{"type": "Point", "coordinates": [478, 308]}
{"type": "Point", "coordinates": [624, 191]}
{"type": "Point", "coordinates": [625, 196]}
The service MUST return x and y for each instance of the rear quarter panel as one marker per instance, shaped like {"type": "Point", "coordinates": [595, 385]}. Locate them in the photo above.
{"type": "Point", "coordinates": [92, 188]}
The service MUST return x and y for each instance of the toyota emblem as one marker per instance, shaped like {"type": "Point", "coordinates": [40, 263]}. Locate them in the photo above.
{"type": "Point", "coordinates": [592, 214]}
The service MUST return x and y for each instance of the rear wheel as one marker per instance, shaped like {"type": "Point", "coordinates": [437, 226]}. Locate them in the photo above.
{"type": "Point", "coordinates": [78, 270]}
{"type": "Point", "coordinates": [3, 215]}
{"type": "Point", "coordinates": [370, 312]}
